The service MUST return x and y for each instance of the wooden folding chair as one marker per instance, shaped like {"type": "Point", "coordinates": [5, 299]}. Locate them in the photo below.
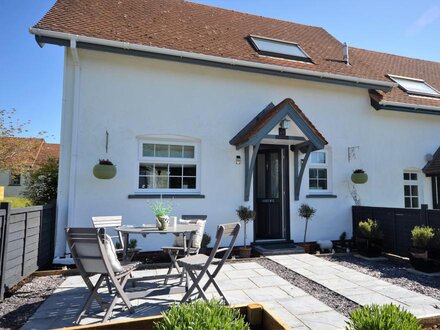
{"type": "Point", "coordinates": [111, 222]}
{"type": "Point", "coordinates": [197, 265]}
{"type": "Point", "coordinates": [175, 251]}
{"type": "Point", "coordinates": [88, 248]}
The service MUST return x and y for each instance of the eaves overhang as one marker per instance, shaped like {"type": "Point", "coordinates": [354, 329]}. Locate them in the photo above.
{"type": "Point", "coordinates": [63, 39]}
{"type": "Point", "coordinates": [405, 107]}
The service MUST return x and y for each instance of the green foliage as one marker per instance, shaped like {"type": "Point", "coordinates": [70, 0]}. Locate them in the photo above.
{"type": "Point", "coordinates": [206, 239]}
{"type": "Point", "coordinates": [245, 213]}
{"type": "Point", "coordinates": [18, 202]}
{"type": "Point", "coordinates": [435, 242]}
{"type": "Point", "coordinates": [202, 315]}
{"type": "Point", "coordinates": [43, 182]}
{"type": "Point", "coordinates": [306, 212]}
{"type": "Point", "coordinates": [132, 244]}
{"type": "Point", "coordinates": [343, 236]}
{"type": "Point", "coordinates": [422, 236]}
{"type": "Point", "coordinates": [161, 208]}
{"type": "Point", "coordinates": [385, 317]}
{"type": "Point", "coordinates": [370, 229]}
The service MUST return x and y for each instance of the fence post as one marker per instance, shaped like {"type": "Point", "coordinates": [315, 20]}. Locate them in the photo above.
{"type": "Point", "coordinates": [424, 214]}
{"type": "Point", "coordinates": [4, 247]}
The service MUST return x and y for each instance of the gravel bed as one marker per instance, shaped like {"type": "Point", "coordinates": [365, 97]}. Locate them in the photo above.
{"type": "Point", "coordinates": [16, 309]}
{"type": "Point", "coordinates": [392, 272]}
{"type": "Point", "coordinates": [328, 297]}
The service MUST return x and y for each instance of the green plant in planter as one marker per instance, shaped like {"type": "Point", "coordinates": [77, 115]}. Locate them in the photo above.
{"type": "Point", "coordinates": [206, 239]}
{"type": "Point", "coordinates": [161, 210]}
{"type": "Point", "coordinates": [343, 238]}
{"type": "Point", "coordinates": [105, 169]}
{"type": "Point", "coordinates": [306, 212]}
{"type": "Point", "coordinates": [132, 244]}
{"type": "Point", "coordinates": [422, 236]}
{"type": "Point", "coordinates": [359, 176]}
{"type": "Point", "coordinates": [369, 229]}
{"type": "Point", "coordinates": [385, 317]}
{"type": "Point", "coordinates": [202, 315]}
{"type": "Point", "coordinates": [246, 215]}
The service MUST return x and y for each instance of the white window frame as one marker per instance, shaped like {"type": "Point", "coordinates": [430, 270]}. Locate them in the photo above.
{"type": "Point", "coordinates": [169, 160]}
{"type": "Point", "coordinates": [305, 58]}
{"type": "Point", "coordinates": [435, 93]}
{"type": "Point", "coordinates": [326, 166]}
{"type": "Point", "coordinates": [411, 182]}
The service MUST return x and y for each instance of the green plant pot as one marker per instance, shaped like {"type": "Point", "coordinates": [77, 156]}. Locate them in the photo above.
{"type": "Point", "coordinates": [101, 171]}
{"type": "Point", "coordinates": [359, 178]}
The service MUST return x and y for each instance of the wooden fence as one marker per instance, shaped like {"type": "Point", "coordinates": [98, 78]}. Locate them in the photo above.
{"type": "Point", "coordinates": [26, 242]}
{"type": "Point", "coordinates": [396, 224]}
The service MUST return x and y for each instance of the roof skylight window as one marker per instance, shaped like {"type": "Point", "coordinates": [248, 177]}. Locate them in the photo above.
{"type": "Point", "coordinates": [279, 48]}
{"type": "Point", "coordinates": [415, 86]}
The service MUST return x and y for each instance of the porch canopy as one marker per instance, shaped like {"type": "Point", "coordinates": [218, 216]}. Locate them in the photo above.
{"type": "Point", "coordinates": [272, 126]}
{"type": "Point", "coordinates": [432, 167]}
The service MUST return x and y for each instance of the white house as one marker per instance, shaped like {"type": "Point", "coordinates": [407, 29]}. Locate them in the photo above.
{"type": "Point", "coordinates": [215, 108]}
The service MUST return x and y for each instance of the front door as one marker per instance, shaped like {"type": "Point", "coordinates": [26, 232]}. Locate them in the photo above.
{"type": "Point", "coordinates": [271, 193]}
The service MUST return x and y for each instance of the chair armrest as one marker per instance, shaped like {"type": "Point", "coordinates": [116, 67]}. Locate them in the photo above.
{"type": "Point", "coordinates": [221, 250]}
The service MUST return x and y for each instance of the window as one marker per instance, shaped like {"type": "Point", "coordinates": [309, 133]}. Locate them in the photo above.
{"type": "Point", "coordinates": [169, 167]}
{"type": "Point", "coordinates": [279, 48]}
{"type": "Point", "coordinates": [15, 179]}
{"type": "Point", "coordinates": [415, 86]}
{"type": "Point", "coordinates": [411, 189]}
{"type": "Point", "coordinates": [318, 171]}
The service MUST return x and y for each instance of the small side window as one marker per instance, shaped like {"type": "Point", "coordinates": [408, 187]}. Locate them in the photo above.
{"type": "Point", "coordinates": [411, 189]}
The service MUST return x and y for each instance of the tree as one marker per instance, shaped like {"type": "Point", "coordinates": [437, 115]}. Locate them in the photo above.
{"type": "Point", "coordinates": [43, 182]}
{"type": "Point", "coordinates": [306, 212]}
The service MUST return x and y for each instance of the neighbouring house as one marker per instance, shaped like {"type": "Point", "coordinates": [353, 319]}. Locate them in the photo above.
{"type": "Point", "coordinates": [214, 108]}
{"type": "Point", "coordinates": [30, 153]}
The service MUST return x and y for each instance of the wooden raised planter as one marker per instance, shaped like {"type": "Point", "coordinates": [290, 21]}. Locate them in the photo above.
{"type": "Point", "coordinates": [256, 315]}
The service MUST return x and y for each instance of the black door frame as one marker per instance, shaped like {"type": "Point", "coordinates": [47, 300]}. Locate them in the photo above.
{"type": "Point", "coordinates": [435, 192]}
{"type": "Point", "coordinates": [285, 195]}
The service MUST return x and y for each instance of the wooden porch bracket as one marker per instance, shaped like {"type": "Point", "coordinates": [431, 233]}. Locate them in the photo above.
{"type": "Point", "coordinates": [249, 169]}
{"type": "Point", "coordinates": [298, 171]}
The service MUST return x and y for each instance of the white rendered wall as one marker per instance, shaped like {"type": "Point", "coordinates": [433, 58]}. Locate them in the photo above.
{"type": "Point", "coordinates": [130, 96]}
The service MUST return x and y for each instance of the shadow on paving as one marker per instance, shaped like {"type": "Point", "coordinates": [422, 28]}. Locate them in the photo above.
{"type": "Point", "coordinates": [18, 317]}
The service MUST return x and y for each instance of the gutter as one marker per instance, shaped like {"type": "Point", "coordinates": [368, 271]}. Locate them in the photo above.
{"type": "Point", "coordinates": [201, 58]}
{"type": "Point", "coordinates": [405, 107]}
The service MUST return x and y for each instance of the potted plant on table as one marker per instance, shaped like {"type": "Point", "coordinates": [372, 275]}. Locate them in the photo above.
{"type": "Point", "coordinates": [307, 212]}
{"type": "Point", "coordinates": [423, 242]}
{"type": "Point", "coordinates": [369, 238]}
{"type": "Point", "coordinates": [359, 176]}
{"type": "Point", "coordinates": [161, 210]}
{"type": "Point", "coordinates": [246, 215]}
{"type": "Point", "coordinates": [104, 169]}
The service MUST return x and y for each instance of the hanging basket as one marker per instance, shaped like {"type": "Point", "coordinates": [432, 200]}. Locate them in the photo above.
{"type": "Point", "coordinates": [359, 178]}
{"type": "Point", "coordinates": [104, 171]}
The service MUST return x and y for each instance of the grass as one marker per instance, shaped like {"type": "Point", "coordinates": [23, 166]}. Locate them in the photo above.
{"type": "Point", "coordinates": [17, 202]}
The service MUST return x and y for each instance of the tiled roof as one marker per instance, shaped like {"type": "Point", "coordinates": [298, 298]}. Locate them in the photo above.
{"type": "Point", "coordinates": [191, 27]}
{"type": "Point", "coordinates": [30, 151]}
{"type": "Point", "coordinates": [433, 166]}
{"type": "Point", "coordinates": [48, 150]}
{"type": "Point", "coordinates": [265, 116]}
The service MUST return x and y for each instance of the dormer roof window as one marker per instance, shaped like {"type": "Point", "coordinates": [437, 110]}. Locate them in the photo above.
{"type": "Point", "coordinates": [415, 86]}
{"type": "Point", "coordinates": [279, 48]}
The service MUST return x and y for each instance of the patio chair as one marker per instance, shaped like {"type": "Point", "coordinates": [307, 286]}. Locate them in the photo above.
{"type": "Point", "coordinates": [178, 249]}
{"type": "Point", "coordinates": [111, 222]}
{"type": "Point", "coordinates": [197, 266]}
{"type": "Point", "coordinates": [94, 254]}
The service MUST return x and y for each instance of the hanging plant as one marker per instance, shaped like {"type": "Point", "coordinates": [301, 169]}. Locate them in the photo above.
{"type": "Point", "coordinates": [359, 176]}
{"type": "Point", "coordinates": [104, 169]}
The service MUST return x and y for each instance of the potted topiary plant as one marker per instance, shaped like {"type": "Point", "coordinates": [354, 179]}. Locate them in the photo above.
{"type": "Point", "coordinates": [161, 210]}
{"type": "Point", "coordinates": [104, 169]}
{"type": "Point", "coordinates": [369, 238]}
{"type": "Point", "coordinates": [359, 176]}
{"type": "Point", "coordinates": [307, 212]}
{"type": "Point", "coordinates": [419, 254]}
{"type": "Point", "coordinates": [206, 239]}
{"type": "Point", "coordinates": [246, 215]}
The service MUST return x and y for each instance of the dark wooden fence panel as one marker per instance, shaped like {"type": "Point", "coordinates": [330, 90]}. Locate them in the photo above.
{"type": "Point", "coordinates": [396, 224]}
{"type": "Point", "coordinates": [27, 242]}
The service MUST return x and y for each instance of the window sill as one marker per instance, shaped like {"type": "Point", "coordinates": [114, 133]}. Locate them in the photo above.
{"type": "Point", "coordinates": [14, 185]}
{"type": "Point", "coordinates": [321, 196]}
{"type": "Point", "coordinates": [155, 196]}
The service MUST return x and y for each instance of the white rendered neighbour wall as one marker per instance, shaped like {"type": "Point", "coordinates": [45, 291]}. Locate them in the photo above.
{"type": "Point", "coordinates": [129, 96]}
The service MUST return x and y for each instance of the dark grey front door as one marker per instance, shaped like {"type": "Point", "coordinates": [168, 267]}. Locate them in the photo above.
{"type": "Point", "coordinates": [270, 191]}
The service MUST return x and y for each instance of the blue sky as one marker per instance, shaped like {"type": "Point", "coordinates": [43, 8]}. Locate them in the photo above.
{"type": "Point", "coordinates": [31, 78]}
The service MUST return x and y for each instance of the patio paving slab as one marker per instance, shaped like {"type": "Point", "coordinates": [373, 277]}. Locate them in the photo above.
{"type": "Point", "coordinates": [241, 282]}
{"type": "Point", "coordinates": [360, 288]}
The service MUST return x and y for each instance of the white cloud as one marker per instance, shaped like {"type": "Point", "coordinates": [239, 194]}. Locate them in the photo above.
{"type": "Point", "coordinates": [427, 18]}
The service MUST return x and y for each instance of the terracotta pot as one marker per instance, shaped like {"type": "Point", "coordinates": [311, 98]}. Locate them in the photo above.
{"type": "Point", "coordinates": [102, 171]}
{"type": "Point", "coordinates": [420, 261]}
{"type": "Point", "coordinates": [310, 247]}
{"type": "Point", "coordinates": [359, 178]}
{"type": "Point", "coordinates": [244, 252]}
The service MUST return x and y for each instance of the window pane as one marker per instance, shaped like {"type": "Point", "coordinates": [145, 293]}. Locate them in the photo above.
{"type": "Point", "coordinates": [415, 86]}
{"type": "Point", "coordinates": [176, 170]}
{"type": "Point", "coordinates": [415, 202]}
{"type": "Point", "coordinates": [176, 151]}
{"type": "Point", "coordinates": [175, 182]}
{"type": "Point", "coordinates": [161, 182]}
{"type": "Point", "coordinates": [189, 170]}
{"type": "Point", "coordinates": [322, 173]}
{"type": "Point", "coordinates": [407, 202]}
{"type": "Point", "coordinates": [414, 191]}
{"type": "Point", "coordinates": [414, 176]}
{"type": "Point", "coordinates": [148, 150]}
{"type": "Point", "coordinates": [313, 173]}
{"type": "Point", "coordinates": [189, 183]}
{"type": "Point", "coordinates": [162, 150]}
{"type": "Point", "coordinates": [188, 151]}
{"type": "Point", "coordinates": [145, 182]}
{"type": "Point", "coordinates": [405, 176]}
{"type": "Point", "coordinates": [146, 169]}
{"type": "Point", "coordinates": [278, 47]}
{"type": "Point", "coordinates": [318, 157]}
{"type": "Point", "coordinates": [407, 190]}
{"type": "Point", "coordinates": [161, 169]}
{"type": "Point", "coordinates": [313, 184]}
{"type": "Point", "coordinates": [322, 184]}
